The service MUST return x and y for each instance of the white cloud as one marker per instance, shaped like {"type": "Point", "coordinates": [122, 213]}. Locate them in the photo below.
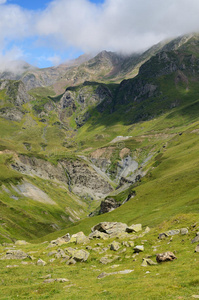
{"type": "Point", "coordinates": [117, 25]}
{"type": "Point", "coordinates": [12, 60]}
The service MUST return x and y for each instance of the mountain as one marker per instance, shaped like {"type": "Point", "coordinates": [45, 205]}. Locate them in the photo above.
{"type": "Point", "coordinates": [109, 138]}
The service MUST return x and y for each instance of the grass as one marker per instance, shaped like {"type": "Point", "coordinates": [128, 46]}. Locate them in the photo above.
{"type": "Point", "coordinates": [181, 276]}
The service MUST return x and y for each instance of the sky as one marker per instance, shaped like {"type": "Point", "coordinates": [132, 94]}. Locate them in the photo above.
{"type": "Point", "coordinates": [46, 33]}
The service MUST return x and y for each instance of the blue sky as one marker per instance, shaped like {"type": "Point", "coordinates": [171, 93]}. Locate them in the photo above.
{"type": "Point", "coordinates": [46, 33]}
{"type": "Point", "coordinates": [33, 51]}
{"type": "Point", "coordinates": [38, 4]}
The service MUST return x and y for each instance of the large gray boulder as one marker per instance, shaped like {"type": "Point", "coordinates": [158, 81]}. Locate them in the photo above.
{"type": "Point", "coordinates": [78, 255]}
{"type": "Point", "coordinates": [134, 228]}
{"type": "Point", "coordinates": [110, 227]}
{"type": "Point", "coordinates": [15, 254]}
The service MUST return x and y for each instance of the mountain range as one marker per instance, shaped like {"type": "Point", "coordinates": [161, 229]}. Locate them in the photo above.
{"type": "Point", "coordinates": [108, 138]}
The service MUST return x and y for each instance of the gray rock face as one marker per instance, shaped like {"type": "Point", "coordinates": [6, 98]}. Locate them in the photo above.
{"type": "Point", "coordinates": [166, 256]}
{"type": "Point", "coordinates": [39, 167]}
{"type": "Point", "coordinates": [108, 205]}
{"type": "Point", "coordinates": [85, 180]}
{"type": "Point", "coordinates": [12, 114]}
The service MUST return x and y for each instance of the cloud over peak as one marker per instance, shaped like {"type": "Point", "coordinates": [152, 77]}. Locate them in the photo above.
{"type": "Point", "coordinates": [118, 25]}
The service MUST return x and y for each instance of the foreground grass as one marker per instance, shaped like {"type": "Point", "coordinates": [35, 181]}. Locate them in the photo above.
{"type": "Point", "coordinates": [172, 280]}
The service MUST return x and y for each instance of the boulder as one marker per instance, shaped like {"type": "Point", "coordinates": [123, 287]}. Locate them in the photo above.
{"type": "Point", "coordinates": [119, 235]}
{"type": "Point", "coordinates": [110, 227]}
{"type": "Point", "coordinates": [115, 246]}
{"type": "Point", "coordinates": [166, 256]}
{"type": "Point", "coordinates": [78, 255]}
{"type": "Point", "coordinates": [80, 238]}
{"type": "Point", "coordinates": [71, 261]}
{"type": "Point", "coordinates": [16, 254]}
{"type": "Point", "coordinates": [61, 240]}
{"type": "Point", "coordinates": [147, 230]}
{"type": "Point", "coordinates": [21, 243]}
{"type": "Point", "coordinates": [108, 205]}
{"type": "Point", "coordinates": [134, 228]}
{"type": "Point", "coordinates": [108, 259]}
{"type": "Point", "coordinates": [60, 254]}
{"type": "Point", "coordinates": [41, 262]}
{"type": "Point", "coordinates": [51, 253]}
{"type": "Point", "coordinates": [99, 235]}
{"type": "Point", "coordinates": [195, 240]}
{"type": "Point", "coordinates": [148, 262]}
{"type": "Point", "coordinates": [197, 248]}
{"type": "Point", "coordinates": [184, 231]}
{"type": "Point", "coordinates": [104, 274]}
{"type": "Point", "coordinates": [168, 233]}
{"type": "Point", "coordinates": [138, 248]}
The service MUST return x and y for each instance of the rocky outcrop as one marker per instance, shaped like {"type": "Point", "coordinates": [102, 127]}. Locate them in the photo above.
{"type": "Point", "coordinates": [108, 205]}
{"type": "Point", "coordinates": [82, 179]}
{"type": "Point", "coordinates": [38, 167]}
{"type": "Point", "coordinates": [85, 181]}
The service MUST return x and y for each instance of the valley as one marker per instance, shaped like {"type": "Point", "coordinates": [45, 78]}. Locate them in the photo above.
{"type": "Point", "coordinates": [109, 138]}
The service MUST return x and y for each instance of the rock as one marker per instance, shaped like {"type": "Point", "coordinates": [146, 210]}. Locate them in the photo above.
{"type": "Point", "coordinates": [60, 254]}
{"type": "Point", "coordinates": [134, 228]}
{"type": "Point", "coordinates": [78, 255]}
{"type": "Point", "coordinates": [195, 240]}
{"type": "Point", "coordinates": [61, 240]}
{"type": "Point", "coordinates": [99, 235]}
{"type": "Point", "coordinates": [166, 256]}
{"type": "Point", "coordinates": [119, 235]}
{"type": "Point", "coordinates": [110, 227]}
{"type": "Point", "coordinates": [115, 246]}
{"type": "Point", "coordinates": [52, 260]}
{"type": "Point", "coordinates": [62, 280]}
{"type": "Point", "coordinates": [51, 253]}
{"type": "Point", "coordinates": [184, 231]}
{"type": "Point", "coordinates": [107, 205]}
{"type": "Point", "coordinates": [168, 233]}
{"type": "Point", "coordinates": [197, 248]}
{"type": "Point", "coordinates": [47, 276]}
{"type": "Point", "coordinates": [131, 243]}
{"type": "Point", "coordinates": [41, 262]}
{"type": "Point", "coordinates": [16, 254]}
{"type": "Point", "coordinates": [50, 280]}
{"type": "Point", "coordinates": [107, 260]}
{"type": "Point", "coordinates": [138, 248]}
{"type": "Point", "coordinates": [104, 274]}
{"type": "Point", "coordinates": [21, 243]}
{"type": "Point", "coordinates": [12, 266]}
{"type": "Point", "coordinates": [147, 262]}
{"type": "Point", "coordinates": [81, 238]}
{"type": "Point", "coordinates": [147, 230]}
{"type": "Point", "coordinates": [71, 261]}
